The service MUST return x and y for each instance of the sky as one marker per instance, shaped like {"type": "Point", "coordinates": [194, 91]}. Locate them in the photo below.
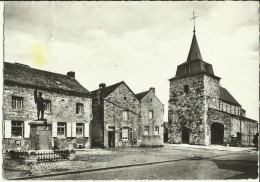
{"type": "Point", "coordinates": [141, 43]}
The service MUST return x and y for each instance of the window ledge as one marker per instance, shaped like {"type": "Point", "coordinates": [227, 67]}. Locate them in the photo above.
{"type": "Point", "coordinates": [61, 137]}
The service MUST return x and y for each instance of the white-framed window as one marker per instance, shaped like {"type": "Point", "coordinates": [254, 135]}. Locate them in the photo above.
{"type": "Point", "coordinates": [156, 130]}
{"type": "Point", "coordinates": [146, 130]}
{"type": "Point", "coordinates": [79, 129]}
{"type": "Point", "coordinates": [61, 129]}
{"type": "Point", "coordinates": [17, 102]}
{"type": "Point", "coordinates": [150, 115]}
{"type": "Point", "coordinates": [79, 108]}
{"type": "Point", "coordinates": [47, 105]}
{"type": "Point", "coordinates": [125, 115]}
{"type": "Point", "coordinates": [17, 129]}
{"type": "Point", "coordinates": [126, 133]}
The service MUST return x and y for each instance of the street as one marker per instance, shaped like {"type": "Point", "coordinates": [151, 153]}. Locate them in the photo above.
{"type": "Point", "coordinates": [226, 166]}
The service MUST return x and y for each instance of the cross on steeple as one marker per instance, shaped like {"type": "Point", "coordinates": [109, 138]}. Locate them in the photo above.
{"type": "Point", "coordinates": [193, 18]}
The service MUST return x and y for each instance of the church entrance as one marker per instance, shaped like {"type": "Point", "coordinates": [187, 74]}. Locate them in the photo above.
{"type": "Point", "coordinates": [217, 133]}
{"type": "Point", "coordinates": [185, 135]}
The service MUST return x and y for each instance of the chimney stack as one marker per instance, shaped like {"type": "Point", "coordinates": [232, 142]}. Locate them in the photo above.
{"type": "Point", "coordinates": [71, 74]}
{"type": "Point", "coordinates": [102, 85]}
{"type": "Point", "coordinates": [152, 89]}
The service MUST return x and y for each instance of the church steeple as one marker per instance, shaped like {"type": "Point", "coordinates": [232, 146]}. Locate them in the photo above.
{"type": "Point", "coordinates": [194, 52]}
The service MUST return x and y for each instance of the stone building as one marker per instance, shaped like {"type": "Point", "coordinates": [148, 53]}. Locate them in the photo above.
{"type": "Point", "coordinates": [151, 119]}
{"type": "Point", "coordinates": [201, 111]}
{"type": "Point", "coordinates": [67, 109]}
{"type": "Point", "coordinates": [123, 118]}
{"type": "Point", "coordinates": [116, 116]}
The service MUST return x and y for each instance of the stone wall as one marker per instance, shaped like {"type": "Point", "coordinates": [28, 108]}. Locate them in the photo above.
{"type": "Point", "coordinates": [187, 109]}
{"type": "Point", "coordinates": [232, 126]}
{"type": "Point", "coordinates": [215, 116]}
{"type": "Point", "coordinates": [151, 103]}
{"type": "Point", "coordinates": [97, 125]}
{"type": "Point", "coordinates": [114, 104]}
{"type": "Point", "coordinates": [63, 108]}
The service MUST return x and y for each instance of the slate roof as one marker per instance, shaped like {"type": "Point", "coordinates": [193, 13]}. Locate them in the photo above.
{"type": "Point", "coordinates": [141, 95]}
{"type": "Point", "coordinates": [27, 76]}
{"type": "Point", "coordinates": [226, 96]}
{"type": "Point", "coordinates": [194, 52]}
{"type": "Point", "coordinates": [107, 90]}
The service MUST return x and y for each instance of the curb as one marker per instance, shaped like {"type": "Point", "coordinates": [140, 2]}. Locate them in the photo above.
{"type": "Point", "coordinates": [96, 169]}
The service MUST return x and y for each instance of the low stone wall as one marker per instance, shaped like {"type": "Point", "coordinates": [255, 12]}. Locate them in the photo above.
{"type": "Point", "coordinates": [71, 143]}
{"type": "Point", "coordinates": [151, 140]}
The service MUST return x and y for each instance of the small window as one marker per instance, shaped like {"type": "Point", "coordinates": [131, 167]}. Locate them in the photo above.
{"type": "Point", "coordinates": [151, 100]}
{"type": "Point", "coordinates": [125, 115]}
{"type": "Point", "coordinates": [17, 102]}
{"type": "Point", "coordinates": [146, 130]}
{"type": "Point", "coordinates": [17, 129]}
{"type": "Point", "coordinates": [130, 133]}
{"type": "Point", "coordinates": [61, 128]}
{"type": "Point", "coordinates": [47, 105]}
{"type": "Point", "coordinates": [124, 98]}
{"type": "Point", "coordinates": [79, 108]}
{"type": "Point", "coordinates": [150, 114]}
{"type": "Point", "coordinates": [186, 89]}
{"type": "Point", "coordinates": [79, 129]}
{"type": "Point", "coordinates": [156, 131]}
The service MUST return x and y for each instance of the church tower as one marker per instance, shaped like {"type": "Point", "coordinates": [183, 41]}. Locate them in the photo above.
{"type": "Point", "coordinates": [193, 90]}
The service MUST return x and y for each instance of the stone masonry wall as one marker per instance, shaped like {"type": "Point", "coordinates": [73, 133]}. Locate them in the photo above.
{"type": "Point", "coordinates": [187, 109]}
{"type": "Point", "coordinates": [215, 116]}
{"type": "Point", "coordinates": [151, 103]}
{"type": "Point", "coordinates": [97, 125]}
{"type": "Point", "coordinates": [63, 109]}
{"type": "Point", "coordinates": [114, 105]}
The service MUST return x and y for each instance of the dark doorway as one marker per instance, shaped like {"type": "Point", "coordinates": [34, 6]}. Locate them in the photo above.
{"type": "Point", "coordinates": [185, 135]}
{"type": "Point", "coordinates": [217, 133]}
{"type": "Point", "coordinates": [111, 138]}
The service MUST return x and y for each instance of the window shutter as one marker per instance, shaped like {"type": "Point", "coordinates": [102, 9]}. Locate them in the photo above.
{"type": "Point", "coordinates": [77, 108]}
{"type": "Point", "coordinates": [26, 129]}
{"type": "Point", "coordinates": [68, 129]}
{"type": "Point", "coordinates": [86, 130]}
{"type": "Point", "coordinates": [8, 129]}
{"type": "Point", "coordinates": [54, 129]}
{"type": "Point", "coordinates": [73, 127]}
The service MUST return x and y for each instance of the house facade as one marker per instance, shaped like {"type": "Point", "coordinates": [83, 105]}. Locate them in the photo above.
{"type": "Point", "coordinates": [151, 119]}
{"type": "Point", "coordinates": [122, 118]}
{"type": "Point", "coordinates": [116, 116]}
{"type": "Point", "coordinates": [201, 111]}
{"type": "Point", "coordinates": [68, 109]}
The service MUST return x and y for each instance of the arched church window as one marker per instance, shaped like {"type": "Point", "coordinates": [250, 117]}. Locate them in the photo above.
{"type": "Point", "coordinates": [186, 89]}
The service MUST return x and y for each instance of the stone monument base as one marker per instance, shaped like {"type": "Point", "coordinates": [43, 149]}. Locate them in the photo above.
{"type": "Point", "coordinates": [40, 135]}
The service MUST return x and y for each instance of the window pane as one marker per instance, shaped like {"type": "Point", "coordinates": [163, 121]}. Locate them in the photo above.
{"type": "Point", "coordinates": [17, 128]}
{"type": "Point", "coordinates": [125, 133]}
{"type": "Point", "coordinates": [79, 129]}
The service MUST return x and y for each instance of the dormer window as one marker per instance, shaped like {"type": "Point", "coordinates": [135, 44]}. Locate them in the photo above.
{"type": "Point", "coordinates": [186, 89]}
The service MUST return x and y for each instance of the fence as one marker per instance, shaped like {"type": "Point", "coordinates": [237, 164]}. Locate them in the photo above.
{"type": "Point", "coordinates": [52, 155]}
{"type": "Point", "coordinates": [41, 156]}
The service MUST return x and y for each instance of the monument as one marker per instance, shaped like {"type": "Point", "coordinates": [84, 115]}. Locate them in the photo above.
{"type": "Point", "coordinates": [40, 130]}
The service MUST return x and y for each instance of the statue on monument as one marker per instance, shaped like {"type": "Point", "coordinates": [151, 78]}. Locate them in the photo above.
{"type": "Point", "coordinates": [40, 105]}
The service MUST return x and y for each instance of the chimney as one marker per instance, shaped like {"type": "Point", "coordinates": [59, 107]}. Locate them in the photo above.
{"type": "Point", "coordinates": [152, 89]}
{"type": "Point", "coordinates": [102, 85]}
{"type": "Point", "coordinates": [71, 74]}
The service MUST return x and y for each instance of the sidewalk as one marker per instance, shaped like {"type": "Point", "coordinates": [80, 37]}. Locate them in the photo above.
{"type": "Point", "coordinates": [212, 147]}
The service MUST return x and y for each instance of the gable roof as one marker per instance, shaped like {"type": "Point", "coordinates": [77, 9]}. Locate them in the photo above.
{"type": "Point", "coordinates": [226, 96]}
{"type": "Point", "coordinates": [24, 75]}
{"type": "Point", "coordinates": [107, 90]}
{"type": "Point", "coordinates": [141, 95]}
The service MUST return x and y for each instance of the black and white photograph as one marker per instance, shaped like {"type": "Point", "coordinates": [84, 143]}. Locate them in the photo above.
{"type": "Point", "coordinates": [130, 90]}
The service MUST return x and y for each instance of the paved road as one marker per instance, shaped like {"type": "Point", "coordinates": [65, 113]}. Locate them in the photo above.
{"type": "Point", "coordinates": [239, 166]}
